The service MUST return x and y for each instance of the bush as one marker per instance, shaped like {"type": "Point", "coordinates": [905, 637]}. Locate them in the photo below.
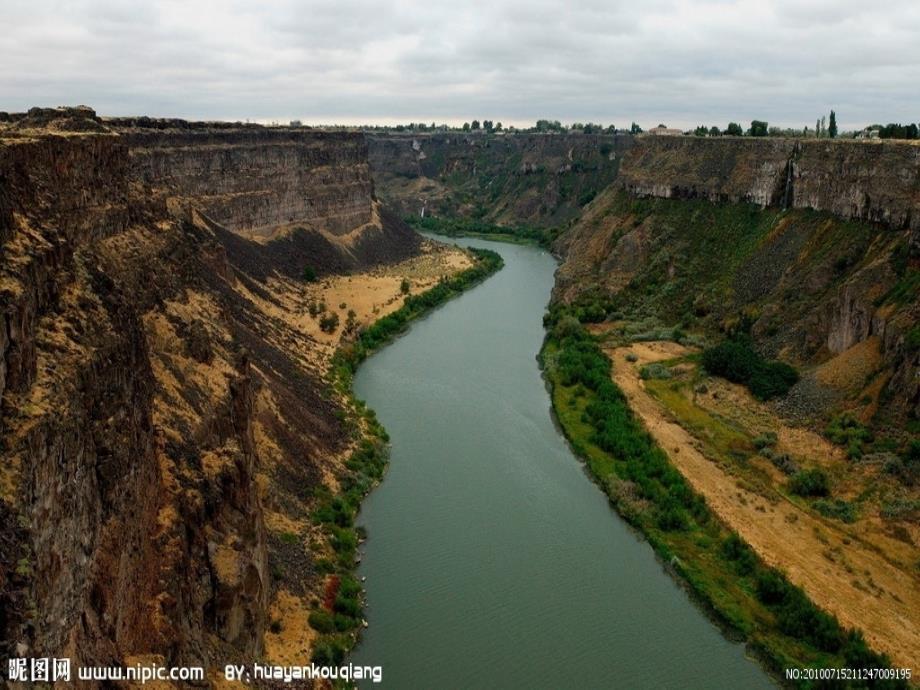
{"type": "Point", "coordinates": [405, 286]}
{"type": "Point", "coordinates": [765, 440]}
{"type": "Point", "coordinates": [329, 323]}
{"type": "Point", "coordinates": [737, 361]}
{"type": "Point", "coordinates": [321, 621]}
{"type": "Point", "coordinates": [813, 482]}
{"type": "Point", "coordinates": [656, 370]}
{"type": "Point", "coordinates": [734, 549]}
{"type": "Point", "coordinates": [847, 431]}
{"type": "Point", "coordinates": [837, 509]}
{"type": "Point", "coordinates": [784, 463]}
{"type": "Point", "coordinates": [309, 274]}
{"type": "Point", "coordinates": [771, 587]}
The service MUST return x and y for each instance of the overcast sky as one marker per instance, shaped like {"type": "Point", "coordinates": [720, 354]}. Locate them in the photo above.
{"type": "Point", "coordinates": [680, 62]}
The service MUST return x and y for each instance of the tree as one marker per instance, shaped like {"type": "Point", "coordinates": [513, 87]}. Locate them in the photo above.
{"type": "Point", "coordinates": [734, 130]}
{"type": "Point", "coordinates": [818, 128]}
{"type": "Point", "coordinates": [488, 126]}
{"type": "Point", "coordinates": [405, 286]}
{"type": "Point", "coordinates": [714, 131]}
{"type": "Point", "coordinates": [759, 128]}
{"type": "Point", "coordinates": [635, 129]}
{"type": "Point", "coordinates": [474, 124]}
{"type": "Point", "coordinates": [832, 128]}
{"type": "Point", "coordinates": [823, 127]}
{"type": "Point", "coordinates": [498, 126]}
{"type": "Point", "coordinates": [466, 126]}
{"type": "Point", "coordinates": [701, 131]}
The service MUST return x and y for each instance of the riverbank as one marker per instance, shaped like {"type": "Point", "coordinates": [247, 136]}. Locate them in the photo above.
{"type": "Point", "coordinates": [479, 229]}
{"type": "Point", "coordinates": [338, 618]}
{"type": "Point", "coordinates": [778, 622]}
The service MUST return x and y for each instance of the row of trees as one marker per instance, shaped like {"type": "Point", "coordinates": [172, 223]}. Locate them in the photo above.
{"type": "Point", "coordinates": [825, 127]}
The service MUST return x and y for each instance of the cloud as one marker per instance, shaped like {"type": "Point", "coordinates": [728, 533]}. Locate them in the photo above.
{"type": "Point", "coordinates": [684, 62]}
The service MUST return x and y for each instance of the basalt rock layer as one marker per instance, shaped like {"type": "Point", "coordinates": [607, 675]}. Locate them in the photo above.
{"type": "Point", "coordinates": [160, 412]}
{"type": "Point", "coordinates": [538, 180]}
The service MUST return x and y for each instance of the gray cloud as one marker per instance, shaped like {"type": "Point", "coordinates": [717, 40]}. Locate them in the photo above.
{"type": "Point", "coordinates": [683, 62]}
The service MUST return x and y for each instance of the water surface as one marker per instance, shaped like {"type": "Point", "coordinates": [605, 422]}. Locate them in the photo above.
{"type": "Point", "coordinates": [492, 560]}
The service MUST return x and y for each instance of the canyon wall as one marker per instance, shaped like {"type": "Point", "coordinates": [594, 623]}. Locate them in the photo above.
{"type": "Point", "coordinates": [539, 180]}
{"type": "Point", "coordinates": [162, 413]}
{"type": "Point", "coordinates": [870, 180]}
{"type": "Point", "coordinates": [813, 243]}
{"type": "Point", "coordinates": [258, 179]}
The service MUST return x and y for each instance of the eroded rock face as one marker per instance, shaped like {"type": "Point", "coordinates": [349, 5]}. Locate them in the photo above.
{"type": "Point", "coordinates": [258, 179]}
{"type": "Point", "coordinates": [146, 365]}
{"type": "Point", "coordinates": [522, 179]}
{"type": "Point", "coordinates": [874, 181]}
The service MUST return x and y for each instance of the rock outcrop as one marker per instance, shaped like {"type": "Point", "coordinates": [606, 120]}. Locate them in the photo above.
{"type": "Point", "coordinates": [158, 406]}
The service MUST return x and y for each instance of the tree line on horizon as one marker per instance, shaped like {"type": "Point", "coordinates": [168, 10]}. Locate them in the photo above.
{"type": "Point", "coordinates": [825, 128]}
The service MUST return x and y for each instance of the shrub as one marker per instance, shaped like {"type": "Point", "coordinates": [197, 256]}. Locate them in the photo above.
{"type": "Point", "coordinates": [846, 430]}
{"type": "Point", "coordinates": [813, 482]}
{"type": "Point", "coordinates": [329, 323]}
{"type": "Point", "coordinates": [784, 463]}
{"type": "Point", "coordinates": [656, 370]}
{"type": "Point", "coordinates": [734, 549]}
{"type": "Point", "coordinates": [837, 509]}
{"type": "Point", "coordinates": [737, 361]}
{"type": "Point", "coordinates": [321, 621]}
{"type": "Point", "coordinates": [405, 286]}
{"type": "Point", "coordinates": [328, 653]}
{"type": "Point", "coordinates": [765, 440]}
{"type": "Point", "coordinates": [771, 587]}
{"type": "Point", "coordinates": [309, 274]}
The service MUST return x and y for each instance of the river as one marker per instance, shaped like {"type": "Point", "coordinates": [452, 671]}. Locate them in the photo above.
{"type": "Point", "coordinates": [492, 560]}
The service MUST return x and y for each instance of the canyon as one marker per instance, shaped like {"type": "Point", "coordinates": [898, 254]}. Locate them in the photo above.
{"type": "Point", "coordinates": [167, 413]}
{"type": "Point", "coordinates": [170, 413]}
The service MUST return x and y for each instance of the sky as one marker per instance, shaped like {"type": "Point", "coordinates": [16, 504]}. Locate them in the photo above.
{"type": "Point", "coordinates": [677, 62]}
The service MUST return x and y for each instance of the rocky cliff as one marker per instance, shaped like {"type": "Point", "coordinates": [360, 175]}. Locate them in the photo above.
{"type": "Point", "coordinates": [538, 180]}
{"type": "Point", "coordinates": [163, 416]}
{"type": "Point", "coordinates": [812, 243]}
{"type": "Point", "coordinates": [866, 180]}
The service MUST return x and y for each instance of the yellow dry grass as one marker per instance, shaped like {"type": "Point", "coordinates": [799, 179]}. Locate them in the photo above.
{"type": "Point", "coordinates": [856, 572]}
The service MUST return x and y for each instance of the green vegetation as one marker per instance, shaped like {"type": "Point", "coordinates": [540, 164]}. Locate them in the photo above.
{"type": "Point", "coordinates": [329, 322]}
{"type": "Point", "coordinates": [309, 274]}
{"type": "Point", "coordinates": [812, 482]}
{"type": "Point", "coordinates": [737, 361]}
{"type": "Point", "coordinates": [759, 128]}
{"type": "Point", "coordinates": [837, 508]}
{"type": "Point", "coordinates": [898, 131]}
{"type": "Point", "coordinates": [470, 227]}
{"type": "Point", "coordinates": [775, 617]}
{"type": "Point", "coordinates": [847, 431]}
{"type": "Point", "coordinates": [405, 286]}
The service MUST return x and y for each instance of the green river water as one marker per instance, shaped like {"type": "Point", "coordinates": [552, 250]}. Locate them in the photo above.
{"type": "Point", "coordinates": [492, 560]}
